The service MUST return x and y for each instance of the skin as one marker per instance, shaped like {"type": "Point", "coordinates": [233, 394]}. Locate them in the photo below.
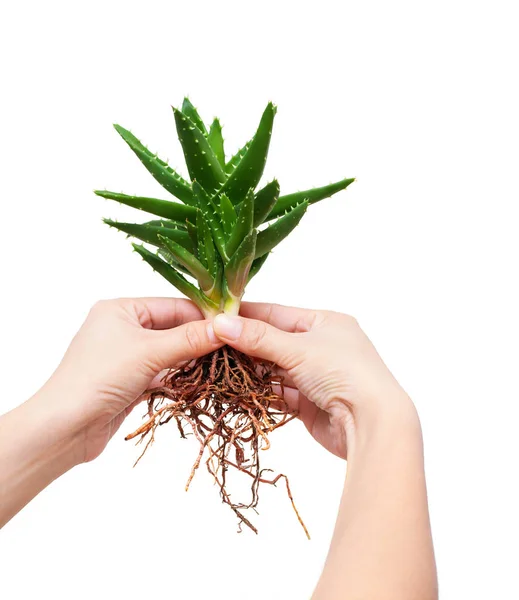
{"type": "Point", "coordinates": [346, 397]}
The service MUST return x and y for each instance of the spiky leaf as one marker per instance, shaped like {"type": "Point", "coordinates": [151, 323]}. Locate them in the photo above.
{"type": "Point", "coordinates": [192, 232]}
{"type": "Point", "coordinates": [206, 249]}
{"type": "Point", "coordinates": [190, 111]}
{"type": "Point", "coordinates": [264, 201]}
{"type": "Point", "coordinates": [278, 231]}
{"type": "Point", "coordinates": [161, 171]}
{"type": "Point", "coordinates": [314, 195]}
{"type": "Point", "coordinates": [206, 205]}
{"type": "Point", "coordinates": [250, 169]}
{"type": "Point", "coordinates": [154, 206]}
{"type": "Point", "coordinates": [243, 224]}
{"type": "Point", "coordinates": [166, 223]}
{"type": "Point", "coordinates": [256, 265]}
{"type": "Point", "coordinates": [237, 269]}
{"type": "Point", "coordinates": [179, 281]}
{"type": "Point", "coordinates": [227, 214]}
{"type": "Point", "coordinates": [170, 259]}
{"type": "Point", "coordinates": [150, 233]}
{"type": "Point", "coordinates": [202, 164]}
{"type": "Point", "coordinates": [215, 139]}
{"type": "Point", "coordinates": [190, 262]}
{"type": "Point", "coordinates": [236, 159]}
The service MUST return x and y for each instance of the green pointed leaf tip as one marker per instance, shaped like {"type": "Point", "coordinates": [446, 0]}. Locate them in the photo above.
{"type": "Point", "coordinates": [215, 139]}
{"type": "Point", "coordinates": [248, 172]}
{"type": "Point", "coordinates": [154, 206]}
{"type": "Point", "coordinates": [190, 111]}
{"type": "Point", "coordinates": [314, 195]}
{"type": "Point", "coordinates": [265, 201]}
{"type": "Point", "coordinates": [270, 237]}
{"type": "Point", "coordinates": [161, 171]}
{"type": "Point", "coordinates": [202, 164]}
{"type": "Point", "coordinates": [151, 233]}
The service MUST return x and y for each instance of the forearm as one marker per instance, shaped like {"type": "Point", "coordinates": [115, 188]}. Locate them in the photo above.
{"type": "Point", "coordinates": [35, 449]}
{"type": "Point", "coordinates": [382, 546]}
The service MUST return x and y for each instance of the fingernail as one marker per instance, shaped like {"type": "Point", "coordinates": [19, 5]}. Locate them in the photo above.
{"type": "Point", "coordinates": [227, 327]}
{"type": "Point", "coordinates": [211, 334]}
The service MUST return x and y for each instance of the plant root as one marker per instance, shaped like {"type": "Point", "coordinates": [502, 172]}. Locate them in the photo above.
{"type": "Point", "coordinates": [227, 400]}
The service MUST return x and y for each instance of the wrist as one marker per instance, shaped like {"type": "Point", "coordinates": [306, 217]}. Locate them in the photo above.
{"type": "Point", "coordinates": [53, 428]}
{"type": "Point", "coordinates": [389, 422]}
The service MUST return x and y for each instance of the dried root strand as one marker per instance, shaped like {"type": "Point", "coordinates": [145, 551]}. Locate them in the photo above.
{"type": "Point", "coordinates": [227, 399]}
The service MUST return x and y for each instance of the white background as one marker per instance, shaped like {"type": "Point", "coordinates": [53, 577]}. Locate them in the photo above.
{"type": "Point", "coordinates": [417, 100]}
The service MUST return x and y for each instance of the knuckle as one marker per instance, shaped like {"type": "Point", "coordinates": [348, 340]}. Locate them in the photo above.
{"type": "Point", "coordinates": [311, 319]}
{"type": "Point", "coordinates": [255, 335]}
{"type": "Point", "coordinates": [193, 338]}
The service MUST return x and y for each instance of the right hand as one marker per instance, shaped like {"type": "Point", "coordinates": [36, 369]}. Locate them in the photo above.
{"type": "Point", "coordinates": [333, 376]}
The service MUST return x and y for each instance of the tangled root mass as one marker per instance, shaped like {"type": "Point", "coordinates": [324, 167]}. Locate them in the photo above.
{"type": "Point", "coordinates": [227, 400]}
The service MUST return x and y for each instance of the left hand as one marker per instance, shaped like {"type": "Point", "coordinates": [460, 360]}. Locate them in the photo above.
{"type": "Point", "coordinates": [122, 346]}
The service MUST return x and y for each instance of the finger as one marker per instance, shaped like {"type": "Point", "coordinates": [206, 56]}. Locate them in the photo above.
{"type": "Point", "coordinates": [260, 339]}
{"type": "Point", "coordinates": [164, 313]}
{"type": "Point", "coordinates": [287, 318]}
{"type": "Point", "coordinates": [191, 340]}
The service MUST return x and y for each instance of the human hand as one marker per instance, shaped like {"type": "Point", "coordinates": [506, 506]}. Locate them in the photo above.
{"type": "Point", "coordinates": [333, 376]}
{"type": "Point", "coordinates": [122, 346]}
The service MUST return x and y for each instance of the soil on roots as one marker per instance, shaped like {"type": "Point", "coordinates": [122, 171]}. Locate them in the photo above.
{"type": "Point", "coordinates": [227, 401]}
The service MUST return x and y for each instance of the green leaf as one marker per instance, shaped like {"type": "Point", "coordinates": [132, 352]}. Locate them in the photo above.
{"type": "Point", "coordinates": [206, 205]}
{"type": "Point", "coordinates": [215, 139]}
{"type": "Point", "coordinates": [237, 269]}
{"type": "Point", "coordinates": [264, 201]}
{"type": "Point", "coordinates": [207, 307]}
{"type": "Point", "coordinates": [314, 195]}
{"type": "Point", "coordinates": [202, 164]}
{"type": "Point", "coordinates": [256, 265]}
{"type": "Point", "coordinates": [161, 208]}
{"type": "Point", "coordinates": [190, 111]}
{"type": "Point", "coordinates": [248, 172]}
{"type": "Point", "coordinates": [161, 171]}
{"type": "Point", "coordinates": [167, 223]}
{"type": "Point", "coordinates": [191, 230]}
{"type": "Point", "coordinates": [227, 214]}
{"type": "Point", "coordinates": [206, 249]}
{"type": "Point", "coordinates": [275, 233]}
{"type": "Point", "coordinates": [243, 224]}
{"type": "Point", "coordinates": [168, 257]}
{"type": "Point", "coordinates": [236, 159]}
{"type": "Point", "coordinates": [151, 233]}
{"type": "Point", "coordinates": [190, 262]}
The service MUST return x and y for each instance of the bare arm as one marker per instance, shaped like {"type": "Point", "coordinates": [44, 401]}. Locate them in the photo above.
{"type": "Point", "coordinates": [382, 546]}
{"type": "Point", "coordinates": [121, 347]}
{"type": "Point", "coordinates": [352, 405]}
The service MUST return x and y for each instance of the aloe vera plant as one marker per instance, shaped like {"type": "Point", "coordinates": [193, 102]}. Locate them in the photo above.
{"type": "Point", "coordinates": [218, 230]}
{"type": "Point", "coordinates": [208, 241]}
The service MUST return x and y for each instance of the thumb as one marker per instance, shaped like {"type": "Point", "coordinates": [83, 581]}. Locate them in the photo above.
{"type": "Point", "coordinates": [185, 342]}
{"type": "Point", "coordinates": [259, 339]}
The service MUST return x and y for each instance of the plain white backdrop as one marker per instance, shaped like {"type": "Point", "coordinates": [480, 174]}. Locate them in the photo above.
{"type": "Point", "coordinates": [418, 101]}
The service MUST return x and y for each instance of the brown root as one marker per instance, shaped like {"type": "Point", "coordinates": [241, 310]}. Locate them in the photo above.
{"type": "Point", "coordinates": [228, 401]}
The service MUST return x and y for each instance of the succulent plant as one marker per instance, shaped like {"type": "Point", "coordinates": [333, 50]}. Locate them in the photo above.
{"type": "Point", "coordinates": [219, 231]}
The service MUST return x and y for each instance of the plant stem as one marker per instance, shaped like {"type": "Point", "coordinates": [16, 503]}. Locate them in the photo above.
{"type": "Point", "coordinates": [232, 304]}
